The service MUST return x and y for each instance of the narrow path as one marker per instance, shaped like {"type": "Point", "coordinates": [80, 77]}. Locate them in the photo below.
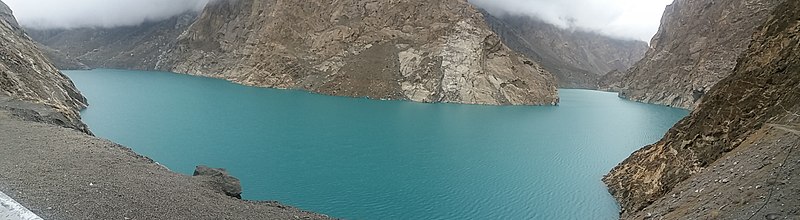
{"type": "Point", "coordinates": [12, 210]}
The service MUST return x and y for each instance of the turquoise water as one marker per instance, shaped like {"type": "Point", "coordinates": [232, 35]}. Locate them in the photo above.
{"type": "Point", "coordinates": [366, 159]}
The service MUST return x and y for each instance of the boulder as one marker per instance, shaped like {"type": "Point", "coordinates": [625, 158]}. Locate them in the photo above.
{"type": "Point", "coordinates": [220, 180]}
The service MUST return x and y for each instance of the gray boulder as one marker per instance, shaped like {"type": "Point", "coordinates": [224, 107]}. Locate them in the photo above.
{"type": "Point", "coordinates": [219, 179]}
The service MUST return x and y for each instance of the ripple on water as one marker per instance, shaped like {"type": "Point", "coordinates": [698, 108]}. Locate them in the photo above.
{"type": "Point", "coordinates": [366, 159]}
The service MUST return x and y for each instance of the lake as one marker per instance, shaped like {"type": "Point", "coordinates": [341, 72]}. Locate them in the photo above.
{"type": "Point", "coordinates": [369, 159]}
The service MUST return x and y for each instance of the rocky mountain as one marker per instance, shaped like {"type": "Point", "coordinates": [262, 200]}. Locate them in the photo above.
{"type": "Point", "coordinates": [696, 47]}
{"type": "Point", "coordinates": [131, 47]}
{"type": "Point", "coordinates": [417, 50]}
{"type": "Point", "coordinates": [30, 86]}
{"type": "Point", "coordinates": [54, 167]}
{"type": "Point", "coordinates": [735, 156]}
{"type": "Point", "coordinates": [577, 58]}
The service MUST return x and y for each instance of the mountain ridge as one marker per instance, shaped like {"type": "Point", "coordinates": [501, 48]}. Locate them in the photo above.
{"type": "Point", "coordinates": [577, 58]}
{"type": "Point", "coordinates": [735, 154]}
{"type": "Point", "coordinates": [696, 46]}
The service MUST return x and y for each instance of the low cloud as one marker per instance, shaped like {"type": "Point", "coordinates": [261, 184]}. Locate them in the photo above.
{"type": "Point", "coordinates": [48, 14]}
{"type": "Point", "coordinates": [627, 19]}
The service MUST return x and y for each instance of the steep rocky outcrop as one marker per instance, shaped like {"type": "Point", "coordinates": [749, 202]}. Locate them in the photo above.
{"type": "Point", "coordinates": [131, 47]}
{"type": "Point", "coordinates": [8, 16]}
{"type": "Point", "coordinates": [735, 155]}
{"type": "Point", "coordinates": [54, 167]}
{"type": "Point", "coordinates": [696, 47]}
{"type": "Point", "coordinates": [30, 86]}
{"type": "Point", "coordinates": [426, 51]}
{"type": "Point", "coordinates": [576, 58]}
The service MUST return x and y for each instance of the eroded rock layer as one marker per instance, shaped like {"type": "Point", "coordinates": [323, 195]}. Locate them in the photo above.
{"type": "Point", "coordinates": [30, 86]}
{"type": "Point", "coordinates": [696, 47]}
{"type": "Point", "coordinates": [425, 51]}
{"type": "Point", "coordinates": [737, 148]}
{"type": "Point", "coordinates": [54, 167]}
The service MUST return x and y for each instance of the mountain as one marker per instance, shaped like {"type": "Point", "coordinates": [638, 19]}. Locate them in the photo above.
{"type": "Point", "coordinates": [30, 86]}
{"type": "Point", "coordinates": [695, 47]}
{"type": "Point", "coordinates": [54, 166]}
{"type": "Point", "coordinates": [577, 58]}
{"type": "Point", "coordinates": [735, 156]}
{"type": "Point", "coordinates": [417, 50]}
{"type": "Point", "coordinates": [132, 47]}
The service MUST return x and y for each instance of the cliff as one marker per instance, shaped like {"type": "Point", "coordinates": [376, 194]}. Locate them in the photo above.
{"type": "Point", "coordinates": [735, 155]}
{"type": "Point", "coordinates": [576, 58]}
{"type": "Point", "coordinates": [131, 47]}
{"type": "Point", "coordinates": [53, 165]}
{"type": "Point", "coordinates": [696, 47]}
{"type": "Point", "coordinates": [30, 86]}
{"type": "Point", "coordinates": [441, 51]}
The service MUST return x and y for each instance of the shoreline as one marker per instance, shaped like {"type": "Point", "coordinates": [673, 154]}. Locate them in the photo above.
{"type": "Point", "coordinates": [61, 173]}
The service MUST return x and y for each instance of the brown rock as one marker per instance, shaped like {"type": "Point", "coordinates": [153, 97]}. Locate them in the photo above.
{"type": "Point", "coordinates": [27, 75]}
{"type": "Point", "coordinates": [696, 46]}
{"type": "Point", "coordinates": [755, 108]}
{"type": "Point", "coordinates": [426, 51]}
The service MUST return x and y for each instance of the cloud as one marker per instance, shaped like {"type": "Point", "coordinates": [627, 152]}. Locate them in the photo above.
{"type": "Point", "coordinates": [627, 19]}
{"type": "Point", "coordinates": [45, 14]}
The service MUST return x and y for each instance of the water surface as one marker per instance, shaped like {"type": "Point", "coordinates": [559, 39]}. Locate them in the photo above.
{"type": "Point", "coordinates": [366, 159]}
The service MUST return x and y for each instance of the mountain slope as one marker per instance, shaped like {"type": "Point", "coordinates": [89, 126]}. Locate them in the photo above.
{"type": "Point", "coordinates": [132, 47]}
{"type": "Point", "coordinates": [577, 58]}
{"type": "Point", "coordinates": [52, 165]}
{"type": "Point", "coordinates": [416, 50]}
{"type": "Point", "coordinates": [736, 155]}
{"type": "Point", "coordinates": [29, 85]}
{"type": "Point", "coordinates": [696, 47]}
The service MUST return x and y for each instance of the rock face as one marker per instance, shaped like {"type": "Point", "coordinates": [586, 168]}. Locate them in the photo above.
{"type": "Point", "coordinates": [738, 148]}
{"type": "Point", "coordinates": [577, 58]}
{"type": "Point", "coordinates": [696, 47]}
{"type": "Point", "coordinates": [220, 180]}
{"type": "Point", "coordinates": [134, 47]}
{"type": "Point", "coordinates": [65, 173]}
{"type": "Point", "coordinates": [28, 79]}
{"type": "Point", "coordinates": [425, 51]}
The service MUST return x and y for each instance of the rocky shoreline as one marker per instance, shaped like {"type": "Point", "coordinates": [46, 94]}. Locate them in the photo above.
{"type": "Point", "coordinates": [413, 50]}
{"type": "Point", "coordinates": [735, 156]}
{"type": "Point", "coordinates": [52, 165]}
{"type": "Point", "coordinates": [61, 173]}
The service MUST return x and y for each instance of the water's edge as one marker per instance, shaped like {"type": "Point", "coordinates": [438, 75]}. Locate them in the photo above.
{"type": "Point", "coordinates": [509, 123]}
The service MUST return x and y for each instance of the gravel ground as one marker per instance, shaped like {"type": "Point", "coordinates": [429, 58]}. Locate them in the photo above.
{"type": "Point", "coordinates": [758, 180]}
{"type": "Point", "coordinates": [60, 173]}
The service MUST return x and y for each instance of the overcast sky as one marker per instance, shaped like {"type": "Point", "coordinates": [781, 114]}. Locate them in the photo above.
{"type": "Point", "coordinates": [631, 19]}
{"type": "Point", "coordinates": [96, 13]}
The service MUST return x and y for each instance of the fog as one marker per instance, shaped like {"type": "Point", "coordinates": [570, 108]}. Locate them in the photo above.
{"type": "Point", "coordinates": [45, 14]}
{"type": "Point", "coordinates": [627, 19]}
